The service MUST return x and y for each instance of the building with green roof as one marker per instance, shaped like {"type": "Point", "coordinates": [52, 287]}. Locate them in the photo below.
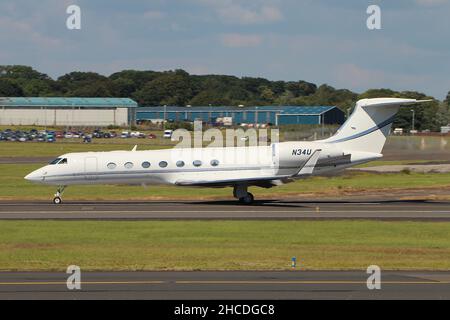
{"type": "Point", "coordinates": [60, 111]}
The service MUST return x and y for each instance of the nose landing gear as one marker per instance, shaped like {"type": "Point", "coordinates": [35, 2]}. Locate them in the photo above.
{"type": "Point", "coordinates": [240, 192]}
{"type": "Point", "coordinates": [58, 195]}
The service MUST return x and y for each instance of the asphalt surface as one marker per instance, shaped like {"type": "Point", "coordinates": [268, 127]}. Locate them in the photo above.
{"type": "Point", "coordinates": [227, 285]}
{"type": "Point", "coordinates": [289, 210]}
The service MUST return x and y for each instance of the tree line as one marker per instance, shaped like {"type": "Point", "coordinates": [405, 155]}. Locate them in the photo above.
{"type": "Point", "coordinates": [179, 88]}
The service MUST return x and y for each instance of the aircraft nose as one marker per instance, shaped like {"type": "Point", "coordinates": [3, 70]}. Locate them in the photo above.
{"type": "Point", "coordinates": [34, 176]}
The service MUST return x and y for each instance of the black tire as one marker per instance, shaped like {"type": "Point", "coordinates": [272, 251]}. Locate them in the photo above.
{"type": "Point", "coordinates": [57, 200]}
{"type": "Point", "coordinates": [248, 199]}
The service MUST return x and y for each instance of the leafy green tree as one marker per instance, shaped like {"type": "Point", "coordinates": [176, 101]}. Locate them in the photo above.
{"type": "Point", "coordinates": [22, 72]}
{"type": "Point", "coordinates": [180, 88]}
{"type": "Point", "coordinates": [447, 99]}
{"type": "Point", "coordinates": [253, 84]}
{"type": "Point", "coordinates": [123, 87]}
{"type": "Point", "coordinates": [210, 97]}
{"type": "Point", "coordinates": [266, 94]}
{"type": "Point", "coordinates": [301, 88]}
{"type": "Point", "coordinates": [171, 88]}
{"type": "Point", "coordinates": [8, 88]}
{"type": "Point", "coordinates": [84, 84]}
{"type": "Point", "coordinates": [138, 78]}
{"type": "Point", "coordinates": [38, 88]}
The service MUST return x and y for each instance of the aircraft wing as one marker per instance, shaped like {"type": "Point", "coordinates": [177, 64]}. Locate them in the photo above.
{"type": "Point", "coordinates": [266, 182]}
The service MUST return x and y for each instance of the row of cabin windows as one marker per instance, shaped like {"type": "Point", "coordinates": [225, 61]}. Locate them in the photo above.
{"type": "Point", "coordinates": [162, 164]}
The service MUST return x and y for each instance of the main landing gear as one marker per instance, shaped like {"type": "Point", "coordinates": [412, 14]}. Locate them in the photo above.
{"type": "Point", "coordinates": [240, 192]}
{"type": "Point", "coordinates": [58, 195]}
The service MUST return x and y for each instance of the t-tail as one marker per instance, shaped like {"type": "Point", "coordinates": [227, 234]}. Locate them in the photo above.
{"type": "Point", "coordinates": [369, 125]}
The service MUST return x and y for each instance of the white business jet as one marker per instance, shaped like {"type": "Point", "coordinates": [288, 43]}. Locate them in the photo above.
{"type": "Point", "coordinates": [360, 139]}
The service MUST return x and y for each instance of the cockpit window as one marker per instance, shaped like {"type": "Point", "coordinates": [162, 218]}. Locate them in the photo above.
{"type": "Point", "coordinates": [63, 161]}
{"type": "Point", "coordinates": [55, 161]}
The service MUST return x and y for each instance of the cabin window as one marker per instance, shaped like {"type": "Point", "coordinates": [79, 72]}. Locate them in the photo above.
{"type": "Point", "coordinates": [63, 161]}
{"type": "Point", "coordinates": [214, 163]}
{"type": "Point", "coordinates": [180, 164]}
{"type": "Point", "coordinates": [197, 163]}
{"type": "Point", "coordinates": [111, 165]}
{"type": "Point", "coordinates": [55, 161]}
{"type": "Point", "coordinates": [145, 164]}
{"type": "Point", "coordinates": [129, 165]}
{"type": "Point", "coordinates": [163, 164]}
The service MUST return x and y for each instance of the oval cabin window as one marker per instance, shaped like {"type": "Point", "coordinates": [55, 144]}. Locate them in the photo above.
{"type": "Point", "coordinates": [128, 165]}
{"type": "Point", "coordinates": [163, 164]}
{"type": "Point", "coordinates": [180, 164]}
{"type": "Point", "coordinates": [197, 163]}
{"type": "Point", "coordinates": [111, 165]}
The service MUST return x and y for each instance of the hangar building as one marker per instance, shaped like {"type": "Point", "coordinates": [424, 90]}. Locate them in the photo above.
{"type": "Point", "coordinates": [67, 111]}
{"type": "Point", "coordinates": [277, 115]}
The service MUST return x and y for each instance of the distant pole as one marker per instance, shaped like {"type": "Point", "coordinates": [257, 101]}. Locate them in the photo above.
{"type": "Point", "coordinates": [164, 120]}
{"type": "Point", "coordinates": [322, 123]}
{"type": "Point", "coordinates": [210, 114]}
{"type": "Point", "coordinates": [413, 116]}
{"type": "Point", "coordinates": [256, 116]}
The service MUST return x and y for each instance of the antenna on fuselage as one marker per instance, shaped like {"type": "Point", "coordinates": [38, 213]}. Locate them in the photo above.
{"type": "Point", "coordinates": [135, 148]}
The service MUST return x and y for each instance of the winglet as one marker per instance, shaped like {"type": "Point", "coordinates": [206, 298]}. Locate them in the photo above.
{"type": "Point", "coordinates": [309, 165]}
{"type": "Point", "coordinates": [135, 148]}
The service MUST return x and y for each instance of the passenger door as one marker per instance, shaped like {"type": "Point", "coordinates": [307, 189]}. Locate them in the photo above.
{"type": "Point", "coordinates": [90, 168]}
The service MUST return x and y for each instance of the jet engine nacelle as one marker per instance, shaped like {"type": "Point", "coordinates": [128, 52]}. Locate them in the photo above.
{"type": "Point", "coordinates": [289, 156]}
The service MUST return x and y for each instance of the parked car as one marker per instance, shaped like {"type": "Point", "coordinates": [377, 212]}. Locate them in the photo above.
{"type": "Point", "coordinates": [168, 134]}
{"type": "Point", "coordinates": [87, 138]}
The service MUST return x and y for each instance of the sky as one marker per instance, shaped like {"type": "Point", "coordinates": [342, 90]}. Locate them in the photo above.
{"type": "Point", "coordinates": [321, 41]}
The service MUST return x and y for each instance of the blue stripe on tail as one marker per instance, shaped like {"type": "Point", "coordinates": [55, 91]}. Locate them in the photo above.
{"type": "Point", "coordinates": [368, 131]}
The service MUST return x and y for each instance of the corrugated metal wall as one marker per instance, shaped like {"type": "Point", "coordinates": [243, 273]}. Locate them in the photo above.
{"type": "Point", "coordinates": [64, 117]}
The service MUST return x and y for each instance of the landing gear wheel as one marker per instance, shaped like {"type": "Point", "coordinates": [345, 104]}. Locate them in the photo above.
{"type": "Point", "coordinates": [248, 199]}
{"type": "Point", "coordinates": [58, 195]}
{"type": "Point", "coordinates": [57, 200]}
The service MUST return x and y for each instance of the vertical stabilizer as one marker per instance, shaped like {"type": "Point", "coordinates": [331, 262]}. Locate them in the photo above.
{"type": "Point", "coordinates": [369, 125]}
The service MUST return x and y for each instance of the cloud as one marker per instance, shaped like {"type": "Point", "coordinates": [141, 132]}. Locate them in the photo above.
{"type": "Point", "coordinates": [26, 32]}
{"type": "Point", "coordinates": [235, 40]}
{"type": "Point", "coordinates": [431, 2]}
{"type": "Point", "coordinates": [351, 75]}
{"type": "Point", "coordinates": [238, 14]}
{"type": "Point", "coordinates": [253, 12]}
{"type": "Point", "coordinates": [154, 15]}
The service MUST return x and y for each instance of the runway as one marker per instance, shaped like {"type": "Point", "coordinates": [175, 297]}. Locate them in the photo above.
{"type": "Point", "coordinates": [223, 210]}
{"type": "Point", "coordinates": [227, 285]}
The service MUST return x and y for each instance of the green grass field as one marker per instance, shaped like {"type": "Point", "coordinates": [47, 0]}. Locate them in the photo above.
{"type": "Point", "coordinates": [214, 245]}
{"type": "Point", "coordinates": [223, 245]}
{"type": "Point", "coordinates": [35, 149]}
{"type": "Point", "coordinates": [13, 186]}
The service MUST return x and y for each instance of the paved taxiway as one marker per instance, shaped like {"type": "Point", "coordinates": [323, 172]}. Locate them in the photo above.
{"type": "Point", "coordinates": [379, 210]}
{"type": "Point", "coordinates": [227, 285]}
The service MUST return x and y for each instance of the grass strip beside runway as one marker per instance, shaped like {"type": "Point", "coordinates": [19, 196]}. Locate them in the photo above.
{"type": "Point", "coordinates": [223, 245]}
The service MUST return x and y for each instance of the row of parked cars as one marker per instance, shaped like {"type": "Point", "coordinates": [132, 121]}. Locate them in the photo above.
{"type": "Point", "coordinates": [51, 136]}
{"type": "Point", "coordinates": [32, 135]}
